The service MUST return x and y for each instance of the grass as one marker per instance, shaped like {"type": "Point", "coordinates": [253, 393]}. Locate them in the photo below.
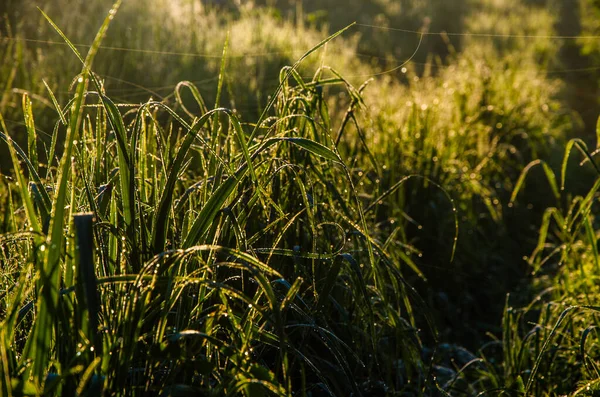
{"type": "Point", "coordinates": [548, 347]}
{"type": "Point", "coordinates": [241, 284]}
{"type": "Point", "coordinates": [469, 126]}
{"type": "Point", "coordinates": [351, 239]}
{"type": "Point", "coordinates": [195, 44]}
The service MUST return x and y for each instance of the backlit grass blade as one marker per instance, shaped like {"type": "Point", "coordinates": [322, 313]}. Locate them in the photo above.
{"type": "Point", "coordinates": [533, 375]}
{"type": "Point", "coordinates": [56, 105]}
{"type": "Point", "coordinates": [594, 371]}
{"type": "Point", "coordinates": [35, 191]}
{"type": "Point", "coordinates": [293, 291]}
{"type": "Point", "coordinates": [313, 147]}
{"type": "Point", "coordinates": [31, 133]}
{"type": "Point", "coordinates": [52, 149]}
{"type": "Point", "coordinates": [189, 127]}
{"type": "Point", "coordinates": [521, 181]}
{"type": "Point", "coordinates": [126, 175]}
{"type": "Point", "coordinates": [86, 379]}
{"type": "Point", "coordinates": [215, 126]}
{"type": "Point", "coordinates": [8, 328]}
{"type": "Point", "coordinates": [241, 138]}
{"type": "Point", "coordinates": [593, 241]}
{"type": "Point", "coordinates": [39, 342]}
{"type": "Point", "coordinates": [22, 183]}
{"type": "Point", "coordinates": [206, 216]}
{"type": "Point", "coordinates": [19, 153]}
{"type": "Point", "coordinates": [580, 144]}
{"type": "Point", "coordinates": [195, 94]}
{"type": "Point", "coordinates": [283, 82]}
{"type": "Point", "coordinates": [5, 380]}
{"type": "Point", "coordinates": [66, 39]}
{"type": "Point", "coordinates": [549, 214]}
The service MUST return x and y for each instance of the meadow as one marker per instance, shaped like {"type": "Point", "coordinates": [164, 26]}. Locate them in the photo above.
{"type": "Point", "coordinates": [391, 198]}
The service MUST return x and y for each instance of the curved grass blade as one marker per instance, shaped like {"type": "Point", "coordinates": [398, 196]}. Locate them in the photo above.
{"type": "Point", "coordinates": [550, 177]}
{"type": "Point", "coordinates": [283, 82]}
{"type": "Point", "coordinates": [195, 93]}
{"type": "Point", "coordinates": [56, 104]}
{"type": "Point", "coordinates": [126, 175]}
{"type": "Point", "coordinates": [583, 352]}
{"type": "Point", "coordinates": [313, 147]}
{"type": "Point", "coordinates": [580, 144]}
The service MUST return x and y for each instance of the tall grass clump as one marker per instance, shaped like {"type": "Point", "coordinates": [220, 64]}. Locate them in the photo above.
{"type": "Point", "coordinates": [550, 346]}
{"type": "Point", "coordinates": [463, 129]}
{"type": "Point", "coordinates": [516, 27]}
{"type": "Point", "coordinates": [167, 250]}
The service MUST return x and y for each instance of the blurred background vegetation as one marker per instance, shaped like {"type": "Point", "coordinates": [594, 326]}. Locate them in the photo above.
{"type": "Point", "coordinates": [461, 93]}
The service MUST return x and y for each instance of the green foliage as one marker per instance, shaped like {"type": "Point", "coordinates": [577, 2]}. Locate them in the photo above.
{"type": "Point", "coordinates": [166, 246]}
{"type": "Point", "coordinates": [381, 43]}
{"type": "Point", "coordinates": [224, 264]}
{"type": "Point", "coordinates": [590, 11]}
{"type": "Point", "coordinates": [468, 129]}
{"type": "Point", "coordinates": [149, 50]}
{"type": "Point", "coordinates": [549, 347]}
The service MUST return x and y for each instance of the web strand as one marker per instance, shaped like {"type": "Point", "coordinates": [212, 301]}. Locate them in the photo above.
{"type": "Point", "coordinates": [475, 34]}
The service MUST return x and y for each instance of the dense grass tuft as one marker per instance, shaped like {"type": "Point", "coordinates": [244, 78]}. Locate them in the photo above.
{"type": "Point", "coordinates": [226, 261]}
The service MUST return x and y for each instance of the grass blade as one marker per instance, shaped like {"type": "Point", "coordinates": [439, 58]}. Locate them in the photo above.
{"type": "Point", "coordinates": [31, 134]}
{"type": "Point", "coordinates": [39, 343]}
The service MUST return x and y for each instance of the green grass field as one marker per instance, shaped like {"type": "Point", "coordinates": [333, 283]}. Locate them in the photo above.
{"type": "Point", "coordinates": [391, 198]}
